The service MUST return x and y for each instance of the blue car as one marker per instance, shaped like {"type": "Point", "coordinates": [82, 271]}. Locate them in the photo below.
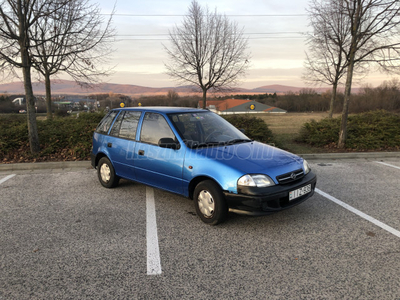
{"type": "Point", "coordinates": [198, 154]}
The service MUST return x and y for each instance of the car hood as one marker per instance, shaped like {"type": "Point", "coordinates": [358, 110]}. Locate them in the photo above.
{"type": "Point", "coordinates": [253, 157]}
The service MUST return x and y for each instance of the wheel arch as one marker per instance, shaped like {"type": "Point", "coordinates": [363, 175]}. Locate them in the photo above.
{"type": "Point", "coordinates": [195, 181]}
{"type": "Point", "coordinates": [99, 156]}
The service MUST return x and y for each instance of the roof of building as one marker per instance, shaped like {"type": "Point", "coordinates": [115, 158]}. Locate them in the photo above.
{"type": "Point", "coordinates": [222, 105]}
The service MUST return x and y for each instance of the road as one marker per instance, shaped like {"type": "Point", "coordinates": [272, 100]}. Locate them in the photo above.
{"type": "Point", "coordinates": [63, 236]}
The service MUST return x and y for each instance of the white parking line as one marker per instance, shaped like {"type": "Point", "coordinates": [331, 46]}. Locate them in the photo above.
{"type": "Point", "coordinates": [153, 251]}
{"type": "Point", "coordinates": [6, 178]}
{"type": "Point", "coordinates": [389, 165]}
{"type": "Point", "coordinates": [360, 213]}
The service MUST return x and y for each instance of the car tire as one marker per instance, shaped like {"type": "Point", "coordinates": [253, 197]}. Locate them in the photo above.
{"type": "Point", "coordinates": [210, 203]}
{"type": "Point", "coordinates": [106, 173]}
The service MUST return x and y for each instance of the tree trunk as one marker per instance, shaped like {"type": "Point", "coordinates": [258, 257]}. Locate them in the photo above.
{"type": "Point", "coordinates": [33, 136]}
{"type": "Point", "coordinates": [333, 98]}
{"type": "Point", "coordinates": [349, 79]}
{"type": "Point", "coordinates": [204, 98]}
{"type": "Point", "coordinates": [31, 111]}
{"type": "Point", "coordinates": [345, 112]}
{"type": "Point", "coordinates": [48, 97]}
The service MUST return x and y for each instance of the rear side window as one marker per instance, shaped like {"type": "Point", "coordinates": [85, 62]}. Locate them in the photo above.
{"type": "Point", "coordinates": [105, 124]}
{"type": "Point", "coordinates": [117, 125]}
{"type": "Point", "coordinates": [126, 124]}
{"type": "Point", "coordinates": [154, 128]}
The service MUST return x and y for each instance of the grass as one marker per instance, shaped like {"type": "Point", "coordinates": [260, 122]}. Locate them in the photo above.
{"type": "Point", "coordinates": [289, 123]}
{"type": "Point", "coordinates": [286, 128]}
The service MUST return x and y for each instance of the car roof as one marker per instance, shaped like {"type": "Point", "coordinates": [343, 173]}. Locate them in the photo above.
{"type": "Point", "coordinates": [163, 109]}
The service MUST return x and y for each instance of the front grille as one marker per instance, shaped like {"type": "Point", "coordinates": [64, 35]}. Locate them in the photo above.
{"type": "Point", "coordinates": [290, 177]}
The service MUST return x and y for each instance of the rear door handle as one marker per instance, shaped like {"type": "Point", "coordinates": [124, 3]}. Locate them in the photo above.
{"type": "Point", "coordinates": [109, 145]}
{"type": "Point", "coordinates": [141, 152]}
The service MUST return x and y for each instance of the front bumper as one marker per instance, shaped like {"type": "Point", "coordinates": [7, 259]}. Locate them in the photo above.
{"type": "Point", "coordinates": [271, 199]}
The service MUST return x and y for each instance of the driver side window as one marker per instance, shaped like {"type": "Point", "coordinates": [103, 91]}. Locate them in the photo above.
{"type": "Point", "coordinates": [154, 128]}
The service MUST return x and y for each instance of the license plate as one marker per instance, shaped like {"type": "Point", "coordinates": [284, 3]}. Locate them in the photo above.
{"type": "Point", "coordinates": [299, 192]}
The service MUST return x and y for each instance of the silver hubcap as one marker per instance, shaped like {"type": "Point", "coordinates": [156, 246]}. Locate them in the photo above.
{"type": "Point", "coordinates": [105, 172]}
{"type": "Point", "coordinates": [206, 204]}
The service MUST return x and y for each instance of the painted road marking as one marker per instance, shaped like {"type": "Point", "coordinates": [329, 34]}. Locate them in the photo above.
{"type": "Point", "coordinates": [389, 165]}
{"type": "Point", "coordinates": [153, 251]}
{"type": "Point", "coordinates": [6, 178]}
{"type": "Point", "coordinates": [360, 213]}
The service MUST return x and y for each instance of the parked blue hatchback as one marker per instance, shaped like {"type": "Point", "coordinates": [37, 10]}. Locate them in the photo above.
{"type": "Point", "coordinates": [198, 154]}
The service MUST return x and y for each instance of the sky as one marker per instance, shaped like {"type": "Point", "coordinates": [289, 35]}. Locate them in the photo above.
{"type": "Point", "coordinates": [274, 28]}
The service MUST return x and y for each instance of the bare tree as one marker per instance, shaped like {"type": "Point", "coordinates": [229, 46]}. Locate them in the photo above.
{"type": "Point", "coordinates": [374, 30]}
{"type": "Point", "coordinates": [325, 61]}
{"type": "Point", "coordinates": [207, 50]}
{"type": "Point", "coordinates": [172, 96]}
{"type": "Point", "coordinates": [73, 40]}
{"type": "Point", "coordinates": [17, 17]}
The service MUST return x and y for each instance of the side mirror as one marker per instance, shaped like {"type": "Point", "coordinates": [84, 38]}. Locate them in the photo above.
{"type": "Point", "coordinates": [168, 143]}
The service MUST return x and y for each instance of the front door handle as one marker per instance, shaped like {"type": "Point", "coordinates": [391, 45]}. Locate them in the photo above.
{"type": "Point", "coordinates": [141, 152]}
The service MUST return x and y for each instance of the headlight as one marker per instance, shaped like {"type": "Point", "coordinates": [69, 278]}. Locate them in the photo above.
{"type": "Point", "coordinates": [306, 167]}
{"type": "Point", "coordinates": [255, 180]}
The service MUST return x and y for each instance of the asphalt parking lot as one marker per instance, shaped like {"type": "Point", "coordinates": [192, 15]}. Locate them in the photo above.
{"type": "Point", "coordinates": [63, 236]}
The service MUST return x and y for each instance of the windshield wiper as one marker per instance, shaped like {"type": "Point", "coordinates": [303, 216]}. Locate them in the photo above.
{"type": "Point", "coordinates": [206, 144]}
{"type": "Point", "coordinates": [236, 141]}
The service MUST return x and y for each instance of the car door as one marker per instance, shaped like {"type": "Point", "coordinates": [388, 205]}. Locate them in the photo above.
{"type": "Point", "coordinates": [155, 165]}
{"type": "Point", "coordinates": [121, 143]}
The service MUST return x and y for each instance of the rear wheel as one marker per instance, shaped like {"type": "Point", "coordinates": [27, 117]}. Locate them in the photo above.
{"type": "Point", "coordinates": [106, 173]}
{"type": "Point", "coordinates": [210, 203]}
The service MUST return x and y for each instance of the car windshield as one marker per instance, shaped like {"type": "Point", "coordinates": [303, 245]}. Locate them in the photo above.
{"type": "Point", "coordinates": [204, 129]}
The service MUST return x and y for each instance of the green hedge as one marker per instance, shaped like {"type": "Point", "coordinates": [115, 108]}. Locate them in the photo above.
{"type": "Point", "coordinates": [375, 130]}
{"type": "Point", "coordinates": [61, 138]}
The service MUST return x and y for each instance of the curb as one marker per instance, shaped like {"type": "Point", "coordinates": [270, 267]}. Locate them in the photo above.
{"type": "Point", "coordinates": [46, 165]}
{"type": "Point", "coordinates": [350, 155]}
{"type": "Point", "coordinates": [87, 164]}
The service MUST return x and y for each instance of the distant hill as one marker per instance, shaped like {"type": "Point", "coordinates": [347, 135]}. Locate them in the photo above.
{"type": "Point", "coordinates": [276, 88]}
{"type": "Point", "coordinates": [70, 87]}
{"type": "Point", "coordinates": [283, 89]}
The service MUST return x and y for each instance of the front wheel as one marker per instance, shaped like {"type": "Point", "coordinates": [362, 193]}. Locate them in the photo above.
{"type": "Point", "coordinates": [106, 173]}
{"type": "Point", "coordinates": [210, 203]}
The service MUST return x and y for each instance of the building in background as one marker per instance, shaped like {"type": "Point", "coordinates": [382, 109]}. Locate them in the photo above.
{"type": "Point", "coordinates": [75, 103]}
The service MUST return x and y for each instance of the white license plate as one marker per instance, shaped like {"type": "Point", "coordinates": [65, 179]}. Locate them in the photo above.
{"type": "Point", "coordinates": [299, 192]}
